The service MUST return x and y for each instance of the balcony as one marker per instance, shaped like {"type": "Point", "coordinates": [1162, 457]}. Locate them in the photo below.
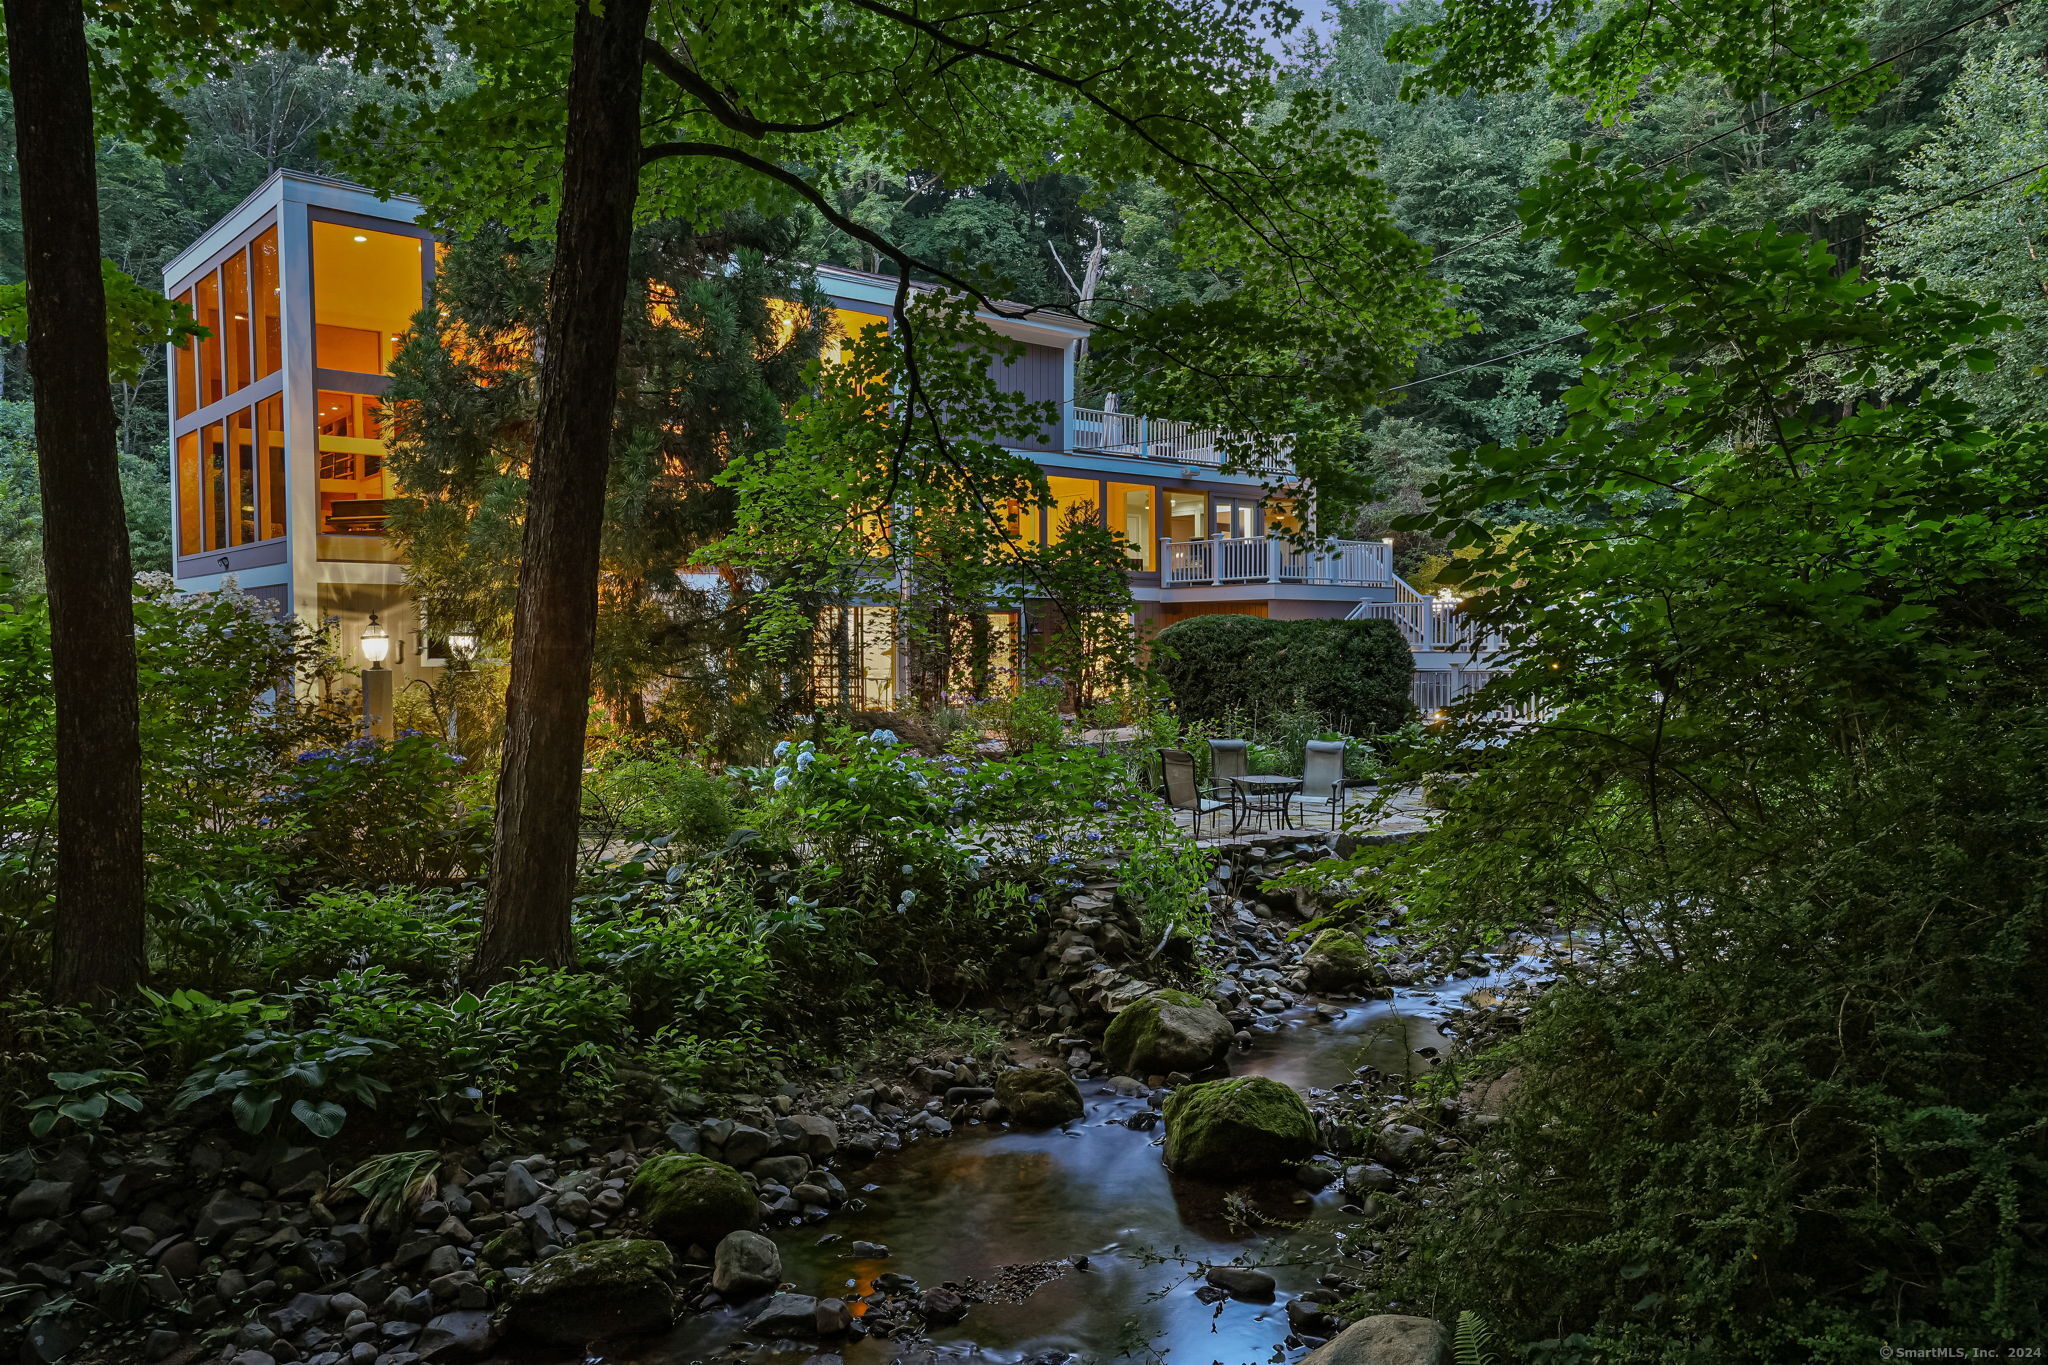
{"type": "Point", "coordinates": [1269, 559]}
{"type": "Point", "coordinates": [1099, 431]}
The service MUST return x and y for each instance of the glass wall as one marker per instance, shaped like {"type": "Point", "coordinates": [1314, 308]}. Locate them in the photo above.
{"type": "Point", "coordinates": [230, 477]}
{"type": "Point", "coordinates": [1130, 516]}
{"type": "Point", "coordinates": [367, 285]}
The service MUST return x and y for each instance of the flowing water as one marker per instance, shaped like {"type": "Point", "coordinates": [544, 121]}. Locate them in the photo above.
{"type": "Point", "coordinates": [987, 1198]}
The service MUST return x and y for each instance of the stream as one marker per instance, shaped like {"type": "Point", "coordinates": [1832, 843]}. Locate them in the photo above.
{"type": "Point", "coordinates": [987, 1198]}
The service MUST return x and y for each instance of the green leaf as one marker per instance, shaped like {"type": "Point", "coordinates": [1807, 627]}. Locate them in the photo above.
{"type": "Point", "coordinates": [252, 1111]}
{"type": "Point", "coordinates": [323, 1119]}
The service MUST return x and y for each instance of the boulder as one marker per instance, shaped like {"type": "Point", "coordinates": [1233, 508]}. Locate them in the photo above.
{"type": "Point", "coordinates": [452, 1336]}
{"type": "Point", "coordinates": [786, 1315]}
{"type": "Point", "coordinates": [1247, 1126]}
{"type": "Point", "coordinates": [745, 1264]}
{"type": "Point", "coordinates": [1039, 1096]}
{"type": "Point", "coordinates": [1338, 961]}
{"type": "Point", "coordinates": [1167, 1031]}
{"type": "Point", "coordinates": [1241, 1282]}
{"type": "Point", "coordinates": [1398, 1144]}
{"type": "Point", "coordinates": [596, 1289]}
{"type": "Point", "coordinates": [1389, 1339]}
{"type": "Point", "coordinates": [691, 1198]}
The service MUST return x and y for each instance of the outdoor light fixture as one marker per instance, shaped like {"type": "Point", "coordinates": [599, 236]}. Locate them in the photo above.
{"type": "Point", "coordinates": [1390, 542]}
{"type": "Point", "coordinates": [462, 645]}
{"type": "Point", "coordinates": [361, 238]}
{"type": "Point", "coordinates": [375, 643]}
{"type": "Point", "coordinates": [1447, 597]}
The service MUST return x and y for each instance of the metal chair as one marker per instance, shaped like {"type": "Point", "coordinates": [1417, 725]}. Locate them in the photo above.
{"type": "Point", "coordinates": [1322, 776]}
{"type": "Point", "coordinates": [1182, 790]}
{"type": "Point", "coordinates": [1228, 758]}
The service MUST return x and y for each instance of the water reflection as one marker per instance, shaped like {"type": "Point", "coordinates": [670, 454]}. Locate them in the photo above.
{"type": "Point", "coordinates": [985, 1198]}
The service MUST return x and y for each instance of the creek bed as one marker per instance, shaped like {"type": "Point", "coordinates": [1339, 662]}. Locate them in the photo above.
{"type": "Point", "coordinates": [987, 1198]}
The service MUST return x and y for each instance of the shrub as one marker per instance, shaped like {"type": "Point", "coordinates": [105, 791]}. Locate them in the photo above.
{"type": "Point", "coordinates": [655, 793]}
{"type": "Point", "coordinates": [373, 811]}
{"type": "Point", "coordinates": [425, 935]}
{"type": "Point", "coordinates": [1352, 676]}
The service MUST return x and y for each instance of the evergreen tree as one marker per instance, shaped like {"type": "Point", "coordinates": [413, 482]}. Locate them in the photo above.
{"type": "Point", "coordinates": [710, 357]}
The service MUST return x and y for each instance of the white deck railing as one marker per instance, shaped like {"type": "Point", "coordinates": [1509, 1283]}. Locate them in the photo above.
{"type": "Point", "coordinates": [1435, 689]}
{"type": "Point", "coordinates": [1269, 559]}
{"type": "Point", "coordinates": [1430, 623]}
{"type": "Point", "coordinates": [1159, 438]}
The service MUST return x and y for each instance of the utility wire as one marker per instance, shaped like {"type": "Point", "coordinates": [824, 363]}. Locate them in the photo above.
{"type": "Point", "coordinates": [1876, 228]}
{"type": "Point", "coordinates": [1766, 114]}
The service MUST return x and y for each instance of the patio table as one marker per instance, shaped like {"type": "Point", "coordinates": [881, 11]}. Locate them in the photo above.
{"type": "Point", "coordinates": [1266, 796]}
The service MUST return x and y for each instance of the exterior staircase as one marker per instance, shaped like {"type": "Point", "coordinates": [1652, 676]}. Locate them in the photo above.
{"type": "Point", "coordinates": [1453, 654]}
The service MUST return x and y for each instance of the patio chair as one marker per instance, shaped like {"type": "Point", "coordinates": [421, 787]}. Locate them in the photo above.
{"type": "Point", "coordinates": [1322, 777]}
{"type": "Point", "coordinates": [1228, 758]}
{"type": "Point", "coordinates": [1182, 791]}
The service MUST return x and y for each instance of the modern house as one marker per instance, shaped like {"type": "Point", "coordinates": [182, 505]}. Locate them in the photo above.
{"type": "Point", "coordinates": [278, 448]}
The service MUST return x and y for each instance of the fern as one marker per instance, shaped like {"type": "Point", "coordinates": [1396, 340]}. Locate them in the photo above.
{"type": "Point", "coordinates": [1473, 1344]}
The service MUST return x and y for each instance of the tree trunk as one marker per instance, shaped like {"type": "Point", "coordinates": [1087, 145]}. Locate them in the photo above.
{"type": "Point", "coordinates": [533, 859]}
{"type": "Point", "coordinates": [96, 946]}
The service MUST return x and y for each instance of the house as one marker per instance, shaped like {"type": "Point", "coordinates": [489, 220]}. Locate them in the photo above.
{"type": "Point", "coordinates": [278, 444]}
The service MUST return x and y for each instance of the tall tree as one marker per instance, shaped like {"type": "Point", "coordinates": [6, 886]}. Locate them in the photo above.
{"type": "Point", "coordinates": [757, 106]}
{"type": "Point", "coordinates": [97, 945]}
{"type": "Point", "coordinates": [540, 787]}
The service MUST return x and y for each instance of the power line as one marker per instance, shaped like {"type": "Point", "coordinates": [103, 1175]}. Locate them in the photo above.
{"type": "Point", "coordinates": [1876, 228]}
{"type": "Point", "coordinates": [1766, 114]}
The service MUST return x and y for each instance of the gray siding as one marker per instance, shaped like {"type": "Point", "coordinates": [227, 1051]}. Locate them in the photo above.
{"type": "Point", "coordinates": [1040, 375]}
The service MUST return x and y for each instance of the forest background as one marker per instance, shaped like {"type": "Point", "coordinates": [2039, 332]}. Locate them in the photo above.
{"type": "Point", "coordinates": [1969, 108]}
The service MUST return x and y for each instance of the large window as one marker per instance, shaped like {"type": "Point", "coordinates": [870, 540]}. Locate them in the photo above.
{"type": "Point", "coordinates": [1237, 518]}
{"type": "Point", "coordinates": [1130, 516]}
{"type": "Point", "coordinates": [264, 292]}
{"type": "Point", "coordinates": [231, 480]}
{"type": "Point", "coordinates": [366, 287]}
{"type": "Point", "coordinates": [238, 303]}
{"type": "Point", "coordinates": [1073, 500]}
{"type": "Point", "coordinates": [1187, 516]}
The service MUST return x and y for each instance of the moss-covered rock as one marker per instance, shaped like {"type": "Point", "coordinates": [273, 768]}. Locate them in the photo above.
{"type": "Point", "coordinates": [1340, 961]}
{"type": "Point", "coordinates": [1250, 1125]}
{"type": "Point", "coordinates": [623, 1287]}
{"type": "Point", "coordinates": [1039, 1096]}
{"type": "Point", "coordinates": [1167, 1031]}
{"type": "Point", "coordinates": [686, 1199]}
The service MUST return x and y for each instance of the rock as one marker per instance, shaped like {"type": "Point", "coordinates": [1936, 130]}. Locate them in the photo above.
{"type": "Point", "coordinates": [1397, 1143]}
{"type": "Point", "coordinates": [781, 1170]}
{"type": "Point", "coordinates": [786, 1315]}
{"type": "Point", "coordinates": [687, 1199]}
{"type": "Point", "coordinates": [1167, 1030]}
{"type": "Point", "coordinates": [596, 1289]}
{"type": "Point", "coordinates": [834, 1317]}
{"type": "Point", "coordinates": [519, 1188]}
{"type": "Point", "coordinates": [1389, 1339]}
{"type": "Point", "coordinates": [871, 1250]}
{"type": "Point", "coordinates": [941, 1306]}
{"type": "Point", "coordinates": [745, 1264]}
{"type": "Point", "coordinates": [464, 1333]}
{"type": "Point", "coordinates": [1241, 1282]}
{"type": "Point", "coordinates": [1370, 1178]}
{"type": "Point", "coordinates": [1339, 961]}
{"type": "Point", "coordinates": [744, 1146]}
{"type": "Point", "coordinates": [683, 1137]}
{"type": "Point", "coordinates": [1245, 1126]}
{"type": "Point", "coordinates": [40, 1199]}
{"type": "Point", "coordinates": [820, 1135]}
{"type": "Point", "coordinates": [1039, 1096]}
{"type": "Point", "coordinates": [162, 1342]}
{"type": "Point", "coordinates": [224, 1213]}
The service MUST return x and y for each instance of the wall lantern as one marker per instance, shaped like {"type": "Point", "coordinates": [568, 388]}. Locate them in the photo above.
{"type": "Point", "coordinates": [462, 645]}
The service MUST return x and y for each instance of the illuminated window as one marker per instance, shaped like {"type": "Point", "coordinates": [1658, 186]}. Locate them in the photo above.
{"type": "Point", "coordinates": [234, 290]}
{"type": "Point", "coordinates": [191, 515]}
{"type": "Point", "coordinates": [1283, 517]}
{"type": "Point", "coordinates": [1130, 516]}
{"type": "Point", "coordinates": [185, 369]}
{"type": "Point", "coordinates": [846, 325]}
{"type": "Point", "coordinates": [1187, 516]}
{"type": "Point", "coordinates": [241, 472]}
{"type": "Point", "coordinates": [1073, 500]}
{"type": "Point", "coordinates": [270, 448]}
{"type": "Point", "coordinates": [366, 287]}
{"type": "Point", "coordinates": [1020, 523]}
{"type": "Point", "coordinates": [263, 288]}
{"type": "Point", "coordinates": [213, 453]}
{"type": "Point", "coordinates": [208, 313]}
{"type": "Point", "coordinates": [352, 482]}
{"type": "Point", "coordinates": [1236, 518]}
